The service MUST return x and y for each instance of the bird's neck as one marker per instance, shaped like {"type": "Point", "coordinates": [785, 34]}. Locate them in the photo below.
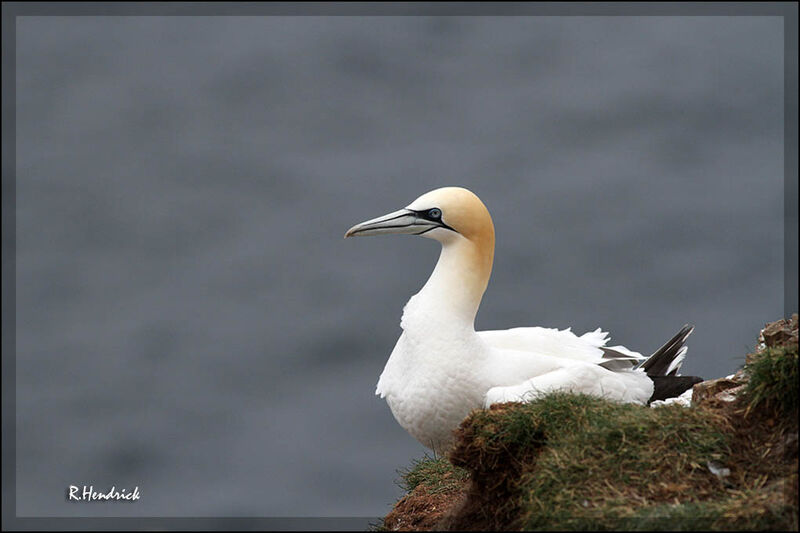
{"type": "Point", "coordinates": [457, 284]}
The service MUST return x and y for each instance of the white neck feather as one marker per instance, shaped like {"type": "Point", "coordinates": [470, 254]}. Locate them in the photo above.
{"type": "Point", "coordinates": [454, 290]}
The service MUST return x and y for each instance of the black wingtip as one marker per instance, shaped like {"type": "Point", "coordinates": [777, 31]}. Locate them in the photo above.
{"type": "Point", "coordinates": [658, 364]}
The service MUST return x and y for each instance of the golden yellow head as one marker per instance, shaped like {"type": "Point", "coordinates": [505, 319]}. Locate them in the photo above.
{"type": "Point", "coordinates": [461, 210]}
{"type": "Point", "coordinates": [441, 214]}
{"type": "Point", "coordinates": [458, 219]}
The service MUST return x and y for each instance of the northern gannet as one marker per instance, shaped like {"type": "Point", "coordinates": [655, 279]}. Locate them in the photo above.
{"type": "Point", "coordinates": [441, 368]}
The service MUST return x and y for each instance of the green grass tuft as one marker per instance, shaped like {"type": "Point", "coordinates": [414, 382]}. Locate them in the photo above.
{"type": "Point", "coordinates": [746, 510]}
{"type": "Point", "coordinates": [437, 476]}
{"type": "Point", "coordinates": [773, 382]}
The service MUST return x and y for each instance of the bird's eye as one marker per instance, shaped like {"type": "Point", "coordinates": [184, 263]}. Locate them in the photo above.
{"type": "Point", "coordinates": [435, 213]}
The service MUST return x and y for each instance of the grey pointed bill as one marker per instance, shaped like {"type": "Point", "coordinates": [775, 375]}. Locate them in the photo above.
{"type": "Point", "coordinates": [404, 222]}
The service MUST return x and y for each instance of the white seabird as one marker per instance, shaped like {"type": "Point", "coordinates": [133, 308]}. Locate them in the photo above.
{"type": "Point", "coordinates": [441, 368]}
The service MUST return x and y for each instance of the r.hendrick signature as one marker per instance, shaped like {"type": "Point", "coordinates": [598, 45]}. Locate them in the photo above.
{"type": "Point", "coordinates": [88, 494]}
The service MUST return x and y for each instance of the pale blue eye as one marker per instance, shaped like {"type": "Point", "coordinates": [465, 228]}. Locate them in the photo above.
{"type": "Point", "coordinates": [435, 213]}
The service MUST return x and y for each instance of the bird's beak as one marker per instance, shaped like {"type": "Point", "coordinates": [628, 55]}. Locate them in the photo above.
{"type": "Point", "coordinates": [404, 221]}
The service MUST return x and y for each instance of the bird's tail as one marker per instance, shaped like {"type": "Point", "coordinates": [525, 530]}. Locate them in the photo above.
{"type": "Point", "coordinates": [667, 360]}
{"type": "Point", "coordinates": [663, 366]}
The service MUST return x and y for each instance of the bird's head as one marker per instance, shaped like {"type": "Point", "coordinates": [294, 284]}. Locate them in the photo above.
{"type": "Point", "coordinates": [446, 215]}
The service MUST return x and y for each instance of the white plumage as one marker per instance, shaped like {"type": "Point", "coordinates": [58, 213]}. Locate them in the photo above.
{"type": "Point", "coordinates": [441, 368]}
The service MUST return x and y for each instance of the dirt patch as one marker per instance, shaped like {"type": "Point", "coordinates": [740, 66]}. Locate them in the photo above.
{"type": "Point", "coordinates": [422, 511]}
{"type": "Point", "coordinates": [436, 490]}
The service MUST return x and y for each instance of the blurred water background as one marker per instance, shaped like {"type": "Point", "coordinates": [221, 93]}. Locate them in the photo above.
{"type": "Point", "coordinates": [189, 319]}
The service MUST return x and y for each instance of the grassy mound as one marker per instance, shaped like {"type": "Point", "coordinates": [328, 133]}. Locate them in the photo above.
{"type": "Point", "coordinates": [574, 462]}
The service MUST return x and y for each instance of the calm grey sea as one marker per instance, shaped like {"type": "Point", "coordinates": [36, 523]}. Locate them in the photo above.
{"type": "Point", "coordinates": [190, 320]}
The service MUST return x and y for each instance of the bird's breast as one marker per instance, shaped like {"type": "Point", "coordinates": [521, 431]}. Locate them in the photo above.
{"type": "Point", "coordinates": [431, 382]}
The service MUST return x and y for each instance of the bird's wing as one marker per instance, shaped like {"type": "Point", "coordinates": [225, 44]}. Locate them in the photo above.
{"type": "Point", "coordinates": [627, 387]}
{"type": "Point", "coordinates": [589, 347]}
